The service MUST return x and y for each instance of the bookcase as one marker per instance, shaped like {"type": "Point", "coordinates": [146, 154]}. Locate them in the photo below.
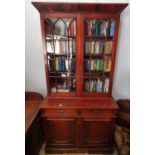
{"type": "Point", "coordinates": [79, 44]}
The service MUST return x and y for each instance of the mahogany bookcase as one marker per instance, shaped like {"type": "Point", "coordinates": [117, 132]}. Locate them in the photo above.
{"type": "Point", "coordinates": [79, 44]}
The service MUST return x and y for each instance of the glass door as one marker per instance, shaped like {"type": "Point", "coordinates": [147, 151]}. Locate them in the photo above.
{"type": "Point", "coordinates": [60, 38]}
{"type": "Point", "coordinates": [98, 51]}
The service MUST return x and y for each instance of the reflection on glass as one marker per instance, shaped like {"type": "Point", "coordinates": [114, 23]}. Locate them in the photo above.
{"type": "Point", "coordinates": [98, 46]}
{"type": "Point", "coordinates": [61, 50]}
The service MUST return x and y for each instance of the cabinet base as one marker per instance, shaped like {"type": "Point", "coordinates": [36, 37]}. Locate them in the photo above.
{"type": "Point", "coordinates": [108, 150]}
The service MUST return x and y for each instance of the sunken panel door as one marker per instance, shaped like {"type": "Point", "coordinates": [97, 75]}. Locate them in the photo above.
{"type": "Point", "coordinates": [96, 132]}
{"type": "Point", "coordinates": [61, 132]}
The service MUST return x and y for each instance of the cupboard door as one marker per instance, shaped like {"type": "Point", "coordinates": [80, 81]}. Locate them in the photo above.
{"type": "Point", "coordinates": [97, 56]}
{"type": "Point", "coordinates": [96, 132]}
{"type": "Point", "coordinates": [60, 132]}
{"type": "Point", "coordinates": [60, 40]}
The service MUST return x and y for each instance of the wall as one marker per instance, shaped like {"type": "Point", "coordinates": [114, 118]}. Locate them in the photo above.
{"type": "Point", "coordinates": [34, 67]}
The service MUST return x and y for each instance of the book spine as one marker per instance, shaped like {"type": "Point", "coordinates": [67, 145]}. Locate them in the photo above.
{"type": "Point", "coordinates": [102, 27]}
{"type": "Point", "coordinates": [57, 64]}
{"type": "Point", "coordinates": [112, 28]}
{"type": "Point", "coordinates": [97, 29]}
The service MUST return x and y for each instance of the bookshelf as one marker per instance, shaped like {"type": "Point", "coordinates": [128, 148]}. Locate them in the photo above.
{"type": "Point", "coordinates": [79, 44]}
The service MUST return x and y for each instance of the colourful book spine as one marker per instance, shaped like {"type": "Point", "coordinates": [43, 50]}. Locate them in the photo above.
{"type": "Point", "coordinates": [97, 65]}
{"type": "Point", "coordinates": [112, 28]}
{"type": "Point", "coordinates": [97, 29]}
{"type": "Point", "coordinates": [102, 27]}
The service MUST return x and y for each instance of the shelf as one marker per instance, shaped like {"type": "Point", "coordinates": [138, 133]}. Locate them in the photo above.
{"type": "Point", "coordinates": [92, 71]}
{"type": "Point", "coordinates": [48, 37]}
{"type": "Point", "coordinates": [96, 72]}
{"type": "Point", "coordinates": [94, 55]}
{"type": "Point", "coordinates": [72, 72]}
{"type": "Point", "coordinates": [99, 38]}
{"type": "Point", "coordinates": [52, 54]}
{"type": "Point", "coordinates": [93, 77]}
{"type": "Point", "coordinates": [61, 77]}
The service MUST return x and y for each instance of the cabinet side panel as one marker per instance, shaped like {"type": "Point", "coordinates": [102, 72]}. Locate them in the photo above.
{"type": "Point", "coordinates": [114, 52]}
{"type": "Point", "coordinates": [45, 54]}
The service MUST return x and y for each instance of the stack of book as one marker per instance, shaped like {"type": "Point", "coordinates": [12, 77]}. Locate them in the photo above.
{"type": "Point", "coordinates": [61, 47]}
{"type": "Point", "coordinates": [93, 65]}
{"type": "Point", "coordinates": [108, 47]}
{"type": "Point", "coordinates": [64, 85]}
{"type": "Point", "coordinates": [97, 85]}
{"type": "Point", "coordinates": [93, 47]}
{"type": "Point", "coordinates": [62, 64]}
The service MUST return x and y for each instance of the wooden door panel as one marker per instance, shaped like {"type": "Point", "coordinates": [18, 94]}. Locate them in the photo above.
{"type": "Point", "coordinates": [96, 132]}
{"type": "Point", "coordinates": [61, 132]}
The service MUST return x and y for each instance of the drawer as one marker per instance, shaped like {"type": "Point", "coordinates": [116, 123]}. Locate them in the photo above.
{"type": "Point", "coordinates": [60, 111]}
{"type": "Point", "coordinates": [96, 112]}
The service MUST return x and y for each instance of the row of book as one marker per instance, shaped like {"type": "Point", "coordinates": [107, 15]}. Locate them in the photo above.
{"type": "Point", "coordinates": [61, 46]}
{"type": "Point", "coordinates": [98, 65]}
{"type": "Point", "coordinates": [98, 47]}
{"type": "Point", "coordinates": [97, 85]}
{"type": "Point", "coordinates": [94, 47]}
{"type": "Point", "coordinates": [62, 64]}
{"type": "Point", "coordinates": [64, 86]}
{"type": "Point", "coordinates": [93, 65]}
{"type": "Point", "coordinates": [96, 27]}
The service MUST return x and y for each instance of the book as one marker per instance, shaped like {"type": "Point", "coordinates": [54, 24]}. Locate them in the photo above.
{"type": "Point", "coordinates": [94, 47]}
{"type": "Point", "coordinates": [49, 47]}
{"type": "Point", "coordinates": [97, 28]}
{"type": "Point", "coordinates": [51, 65]}
{"type": "Point", "coordinates": [112, 28]}
{"type": "Point", "coordinates": [87, 47]}
{"type": "Point", "coordinates": [102, 29]}
{"type": "Point", "coordinates": [93, 85]}
{"type": "Point", "coordinates": [108, 47]}
{"type": "Point", "coordinates": [93, 65]}
{"type": "Point", "coordinates": [106, 85]}
{"type": "Point", "coordinates": [99, 86]}
{"type": "Point", "coordinates": [99, 65]}
{"type": "Point", "coordinates": [107, 65]}
{"type": "Point", "coordinates": [106, 23]}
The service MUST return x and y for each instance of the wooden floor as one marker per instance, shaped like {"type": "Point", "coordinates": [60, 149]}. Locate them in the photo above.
{"type": "Point", "coordinates": [42, 152]}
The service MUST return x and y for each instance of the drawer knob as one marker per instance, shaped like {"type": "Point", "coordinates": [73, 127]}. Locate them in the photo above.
{"type": "Point", "coordinates": [97, 111]}
{"type": "Point", "coordinates": [60, 105]}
